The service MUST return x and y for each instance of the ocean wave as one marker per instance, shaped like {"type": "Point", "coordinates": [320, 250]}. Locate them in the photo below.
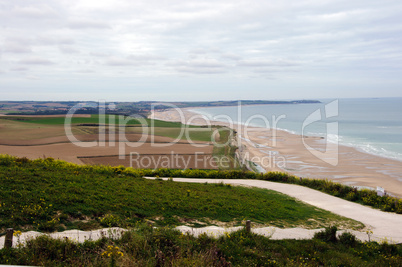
{"type": "Point", "coordinates": [287, 130]}
{"type": "Point", "coordinates": [375, 149]}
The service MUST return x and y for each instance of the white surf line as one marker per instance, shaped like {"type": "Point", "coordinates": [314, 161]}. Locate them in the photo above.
{"type": "Point", "coordinates": [384, 225]}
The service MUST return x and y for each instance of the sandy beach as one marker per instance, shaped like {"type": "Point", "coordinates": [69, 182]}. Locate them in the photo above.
{"type": "Point", "coordinates": [276, 150]}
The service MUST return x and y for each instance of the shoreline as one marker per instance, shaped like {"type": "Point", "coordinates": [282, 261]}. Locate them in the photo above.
{"type": "Point", "coordinates": [280, 150]}
{"type": "Point", "coordinates": [354, 146]}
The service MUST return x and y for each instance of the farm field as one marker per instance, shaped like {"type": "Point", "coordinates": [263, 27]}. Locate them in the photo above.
{"type": "Point", "coordinates": [104, 139]}
{"type": "Point", "coordinates": [90, 119]}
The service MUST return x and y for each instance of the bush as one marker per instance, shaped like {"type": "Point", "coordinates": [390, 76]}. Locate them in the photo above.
{"type": "Point", "coordinates": [49, 226]}
{"type": "Point", "coordinates": [6, 160]}
{"type": "Point", "coordinates": [388, 248]}
{"type": "Point", "coordinates": [348, 239]}
{"type": "Point", "coordinates": [351, 196]}
{"type": "Point", "coordinates": [109, 220]}
{"type": "Point", "coordinates": [23, 160]}
{"type": "Point", "coordinates": [327, 235]}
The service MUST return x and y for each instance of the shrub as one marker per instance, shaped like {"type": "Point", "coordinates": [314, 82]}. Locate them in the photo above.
{"type": "Point", "coordinates": [352, 196]}
{"type": "Point", "coordinates": [49, 159]}
{"type": "Point", "coordinates": [398, 206]}
{"type": "Point", "coordinates": [348, 239]}
{"type": "Point", "coordinates": [6, 160]}
{"type": "Point", "coordinates": [23, 160]}
{"type": "Point", "coordinates": [109, 220]}
{"type": "Point", "coordinates": [51, 250]}
{"type": "Point", "coordinates": [388, 248]}
{"type": "Point", "coordinates": [49, 226]}
{"type": "Point", "coordinates": [327, 235]}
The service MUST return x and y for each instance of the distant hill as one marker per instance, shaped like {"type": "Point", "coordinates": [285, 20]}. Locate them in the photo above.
{"type": "Point", "coordinates": [120, 108]}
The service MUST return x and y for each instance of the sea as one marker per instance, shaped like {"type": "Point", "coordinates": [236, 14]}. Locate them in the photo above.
{"type": "Point", "coordinates": [372, 125]}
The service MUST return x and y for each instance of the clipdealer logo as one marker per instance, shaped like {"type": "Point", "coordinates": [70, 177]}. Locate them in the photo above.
{"type": "Point", "coordinates": [112, 133]}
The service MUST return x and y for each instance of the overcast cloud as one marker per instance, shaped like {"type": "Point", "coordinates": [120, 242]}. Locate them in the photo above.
{"type": "Point", "coordinates": [125, 50]}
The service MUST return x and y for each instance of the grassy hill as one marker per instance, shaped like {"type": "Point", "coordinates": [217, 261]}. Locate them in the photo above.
{"type": "Point", "coordinates": [47, 194]}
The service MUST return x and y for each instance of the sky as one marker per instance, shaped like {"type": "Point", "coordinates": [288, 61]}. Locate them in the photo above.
{"type": "Point", "coordinates": [207, 50]}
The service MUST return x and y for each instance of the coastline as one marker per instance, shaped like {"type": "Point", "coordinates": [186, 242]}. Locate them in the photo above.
{"type": "Point", "coordinates": [279, 150]}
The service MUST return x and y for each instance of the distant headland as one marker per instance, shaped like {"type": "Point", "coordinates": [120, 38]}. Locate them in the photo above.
{"type": "Point", "coordinates": [121, 108]}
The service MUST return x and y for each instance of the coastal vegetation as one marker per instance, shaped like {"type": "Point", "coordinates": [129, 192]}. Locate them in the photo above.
{"type": "Point", "coordinates": [149, 246]}
{"type": "Point", "coordinates": [48, 195]}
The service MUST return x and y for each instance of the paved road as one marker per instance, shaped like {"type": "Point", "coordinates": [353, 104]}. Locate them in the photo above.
{"type": "Point", "coordinates": [383, 224]}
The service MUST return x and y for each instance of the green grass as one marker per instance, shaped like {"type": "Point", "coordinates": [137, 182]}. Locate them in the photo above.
{"type": "Point", "coordinates": [185, 133]}
{"type": "Point", "coordinates": [56, 120]}
{"type": "Point", "coordinates": [48, 195]}
{"type": "Point", "coordinates": [363, 196]}
{"type": "Point", "coordinates": [148, 246]}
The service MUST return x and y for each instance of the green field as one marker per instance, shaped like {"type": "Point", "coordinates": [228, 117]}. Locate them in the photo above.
{"type": "Point", "coordinates": [91, 124]}
{"type": "Point", "coordinates": [190, 134]}
{"type": "Point", "coordinates": [94, 119]}
{"type": "Point", "coordinates": [50, 195]}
